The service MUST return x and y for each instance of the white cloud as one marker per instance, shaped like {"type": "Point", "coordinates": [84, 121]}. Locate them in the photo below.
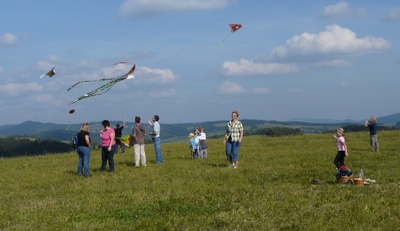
{"type": "Point", "coordinates": [19, 88]}
{"type": "Point", "coordinates": [342, 10]}
{"type": "Point", "coordinates": [246, 68]}
{"type": "Point", "coordinates": [392, 16]}
{"type": "Point", "coordinates": [149, 75]}
{"type": "Point", "coordinates": [229, 88]}
{"type": "Point", "coordinates": [8, 39]}
{"type": "Point", "coordinates": [44, 65]}
{"type": "Point", "coordinates": [116, 70]}
{"type": "Point", "coordinates": [335, 40]}
{"type": "Point", "coordinates": [143, 8]}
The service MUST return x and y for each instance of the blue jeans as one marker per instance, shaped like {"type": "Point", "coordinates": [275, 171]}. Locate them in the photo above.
{"type": "Point", "coordinates": [232, 150]}
{"type": "Point", "coordinates": [84, 158]}
{"type": "Point", "coordinates": [157, 143]}
{"type": "Point", "coordinates": [107, 156]}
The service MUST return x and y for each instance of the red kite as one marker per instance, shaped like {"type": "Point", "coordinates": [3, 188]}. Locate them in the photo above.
{"type": "Point", "coordinates": [234, 28]}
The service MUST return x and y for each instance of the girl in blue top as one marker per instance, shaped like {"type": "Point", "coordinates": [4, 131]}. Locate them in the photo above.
{"type": "Point", "coordinates": [193, 146]}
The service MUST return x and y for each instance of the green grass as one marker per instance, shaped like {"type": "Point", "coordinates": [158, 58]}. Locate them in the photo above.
{"type": "Point", "coordinates": [271, 189]}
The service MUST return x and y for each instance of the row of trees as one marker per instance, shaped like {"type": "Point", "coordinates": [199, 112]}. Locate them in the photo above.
{"type": "Point", "coordinates": [273, 131]}
{"type": "Point", "coordinates": [14, 147]}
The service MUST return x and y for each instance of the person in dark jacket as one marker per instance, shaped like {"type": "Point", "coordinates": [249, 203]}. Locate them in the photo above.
{"type": "Point", "coordinates": [83, 150]}
{"type": "Point", "coordinates": [118, 135]}
{"type": "Point", "coordinates": [373, 133]}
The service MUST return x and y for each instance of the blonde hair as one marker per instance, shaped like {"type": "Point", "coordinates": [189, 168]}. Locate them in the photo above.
{"type": "Point", "coordinates": [374, 119]}
{"type": "Point", "coordinates": [191, 135]}
{"type": "Point", "coordinates": [340, 131]}
{"type": "Point", "coordinates": [85, 127]}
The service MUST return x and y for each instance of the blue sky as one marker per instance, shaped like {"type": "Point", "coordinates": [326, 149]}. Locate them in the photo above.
{"type": "Point", "coordinates": [291, 59]}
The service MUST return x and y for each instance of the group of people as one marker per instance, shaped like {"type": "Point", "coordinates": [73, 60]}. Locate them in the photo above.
{"type": "Point", "coordinates": [198, 144]}
{"type": "Point", "coordinates": [198, 147]}
{"type": "Point", "coordinates": [342, 147]}
{"type": "Point", "coordinates": [232, 140]}
{"type": "Point", "coordinates": [110, 140]}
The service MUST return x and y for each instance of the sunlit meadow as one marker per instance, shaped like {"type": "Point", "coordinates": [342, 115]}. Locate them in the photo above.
{"type": "Point", "coordinates": [271, 189]}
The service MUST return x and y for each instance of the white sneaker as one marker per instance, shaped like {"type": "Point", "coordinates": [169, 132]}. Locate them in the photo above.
{"type": "Point", "coordinates": [231, 166]}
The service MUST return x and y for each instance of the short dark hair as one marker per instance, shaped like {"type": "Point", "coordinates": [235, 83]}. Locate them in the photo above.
{"type": "Point", "coordinates": [137, 119]}
{"type": "Point", "coordinates": [105, 123]}
{"type": "Point", "coordinates": [156, 117]}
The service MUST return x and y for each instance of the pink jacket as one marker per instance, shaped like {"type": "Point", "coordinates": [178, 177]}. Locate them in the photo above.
{"type": "Point", "coordinates": [105, 137]}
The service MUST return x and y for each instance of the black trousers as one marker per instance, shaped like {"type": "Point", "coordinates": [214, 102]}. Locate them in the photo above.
{"type": "Point", "coordinates": [339, 159]}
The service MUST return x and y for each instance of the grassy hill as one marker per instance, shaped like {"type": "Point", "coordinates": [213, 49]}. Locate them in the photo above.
{"type": "Point", "coordinates": [270, 190]}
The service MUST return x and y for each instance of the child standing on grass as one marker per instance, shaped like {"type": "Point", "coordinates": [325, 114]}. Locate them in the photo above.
{"type": "Point", "coordinates": [193, 146]}
{"type": "Point", "coordinates": [341, 147]}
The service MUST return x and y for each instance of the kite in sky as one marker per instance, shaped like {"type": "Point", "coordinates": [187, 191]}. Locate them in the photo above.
{"type": "Point", "coordinates": [49, 73]}
{"type": "Point", "coordinates": [104, 88]}
{"type": "Point", "coordinates": [69, 120]}
{"type": "Point", "coordinates": [234, 28]}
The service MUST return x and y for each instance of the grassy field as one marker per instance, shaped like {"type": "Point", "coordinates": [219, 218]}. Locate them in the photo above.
{"type": "Point", "coordinates": [271, 189]}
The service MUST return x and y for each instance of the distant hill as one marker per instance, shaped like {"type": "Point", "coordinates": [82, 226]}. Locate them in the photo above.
{"type": "Point", "coordinates": [322, 121]}
{"type": "Point", "coordinates": [179, 132]}
{"type": "Point", "coordinates": [387, 120]}
{"type": "Point", "coordinates": [29, 128]}
{"type": "Point", "coordinates": [390, 119]}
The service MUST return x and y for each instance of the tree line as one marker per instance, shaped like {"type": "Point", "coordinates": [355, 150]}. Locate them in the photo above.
{"type": "Point", "coordinates": [16, 146]}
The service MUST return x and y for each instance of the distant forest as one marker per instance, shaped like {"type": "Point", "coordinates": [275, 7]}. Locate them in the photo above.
{"type": "Point", "coordinates": [23, 146]}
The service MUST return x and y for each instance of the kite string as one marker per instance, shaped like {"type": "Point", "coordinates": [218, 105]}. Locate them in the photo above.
{"type": "Point", "coordinates": [222, 42]}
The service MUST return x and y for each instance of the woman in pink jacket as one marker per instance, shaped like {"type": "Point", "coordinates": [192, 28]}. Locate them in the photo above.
{"type": "Point", "coordinates": [108, 146]}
